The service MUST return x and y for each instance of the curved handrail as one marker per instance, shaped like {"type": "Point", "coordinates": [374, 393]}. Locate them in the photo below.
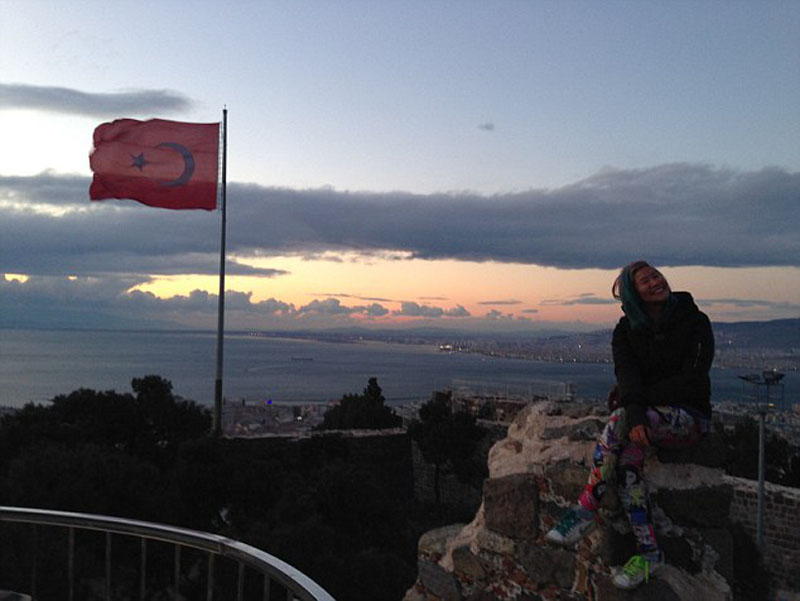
{"type": "Point", "coordinates": [293, 579]}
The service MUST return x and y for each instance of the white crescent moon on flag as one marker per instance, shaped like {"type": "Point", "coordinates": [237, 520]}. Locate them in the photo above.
{"type": "Point", "coordinates": [188, 164]}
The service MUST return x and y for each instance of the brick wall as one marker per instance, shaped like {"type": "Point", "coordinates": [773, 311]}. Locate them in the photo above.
{"type": "Point", "coordinates": [781, 529]}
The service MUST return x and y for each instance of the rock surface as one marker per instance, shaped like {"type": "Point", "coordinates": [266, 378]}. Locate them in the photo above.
{"type": "Point", "coordinates": [535, 474]}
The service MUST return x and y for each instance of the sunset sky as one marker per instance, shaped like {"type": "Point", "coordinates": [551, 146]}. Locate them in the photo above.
{"type": "Point", "coordinates": [471, 165]}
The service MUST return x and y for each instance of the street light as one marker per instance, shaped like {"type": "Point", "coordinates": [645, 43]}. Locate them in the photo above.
{"type": "Point", "coordinates": [767, 379]}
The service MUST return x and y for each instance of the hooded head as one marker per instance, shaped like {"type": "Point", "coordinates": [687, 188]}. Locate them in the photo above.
{"type": "Point", "coordinates": [629, 290]}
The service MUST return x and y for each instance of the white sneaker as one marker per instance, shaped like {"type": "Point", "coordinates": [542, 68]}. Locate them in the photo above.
{"type": "Point", "coordinates": [575, 524]}
{"type": "Point", "coordinates": [637, 570]}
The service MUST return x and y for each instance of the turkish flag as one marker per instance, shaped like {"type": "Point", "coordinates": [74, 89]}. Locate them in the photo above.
{"type": "Point", "coordinates": [160, 163]}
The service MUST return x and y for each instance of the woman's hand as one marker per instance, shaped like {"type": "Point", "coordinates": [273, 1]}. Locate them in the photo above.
{"type": "Point", "coordinates": [638, 435]}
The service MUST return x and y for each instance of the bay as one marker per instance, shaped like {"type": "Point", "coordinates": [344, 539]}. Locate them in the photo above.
{"type": "Point", "coordinates": [36, 365]}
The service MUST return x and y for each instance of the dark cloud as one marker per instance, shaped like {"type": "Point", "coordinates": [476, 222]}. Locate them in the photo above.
{"type": "Point", "coordinates": [581, 299]}
{"type": "Point", "coordinates": [412, 309]}
{"type": "Point", "coordinates": [673, 215]}
{"type": "Point", "coordinates": [110, 302]}
{"type": "Point", "coordinates": [457, 311]}
{"type": "Point", "coordinates": [375, 310]}
{"type": "Point", "coordinates": [496, 315]}
{"type": "Point", "coordinates": [330, 306]}
{"type": "Point", "coordinates": [356, 296]}
{"type": "Point", "coordinates": [509, 301]}
{"type": "Point", "coordinates": [51, 228]}
{"type": "Point", "coordinates": [67, 100]}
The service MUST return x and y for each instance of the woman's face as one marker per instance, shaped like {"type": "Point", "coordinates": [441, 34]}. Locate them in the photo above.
{"type": "Point", "coordinates": [651, 285]}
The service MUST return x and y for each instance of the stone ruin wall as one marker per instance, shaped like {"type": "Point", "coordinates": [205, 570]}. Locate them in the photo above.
{"type": "Point", "coordinates": [781, 529]}
{"type": "Point", "coordinates": [539, 469]}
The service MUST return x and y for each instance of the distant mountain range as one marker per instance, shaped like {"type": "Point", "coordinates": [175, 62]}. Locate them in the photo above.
{"type": "Point", "coordinates": [749, 345]}
{"type": "Point", "coordinates": [783, 334]}
{"type": "Point", "coordinates": [778, 334]}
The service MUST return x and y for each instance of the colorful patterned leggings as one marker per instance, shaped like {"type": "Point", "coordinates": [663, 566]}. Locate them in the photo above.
{"type": "Point", "coordinates": [671, 427]}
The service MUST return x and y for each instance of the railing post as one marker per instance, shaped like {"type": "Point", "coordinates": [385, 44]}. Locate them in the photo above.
{"type": "Point", "coordinates": [267, 588]}
{"type": "Point", "coordinates": [240, 585]}
{"type": "Point", "coordinates": [143, 570]}
{"type": "Point", "coordinates": [177, 595]}
{"type": "Point", "coordinates": [34, 557]}
{"type": "Point", "coordinates": [71, 564]}
{"type": "Point", "coordinates": [210, 579]}
{"type": "Point", "coordinates": [108, 566]}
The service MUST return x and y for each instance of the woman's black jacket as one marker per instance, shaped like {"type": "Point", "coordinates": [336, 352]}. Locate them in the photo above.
{"type": "Point", "coordinates": [666, 363]}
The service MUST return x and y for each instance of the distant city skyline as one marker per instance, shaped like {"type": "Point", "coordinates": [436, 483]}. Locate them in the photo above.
{"type": "Point", "coordinates": [469, 166]}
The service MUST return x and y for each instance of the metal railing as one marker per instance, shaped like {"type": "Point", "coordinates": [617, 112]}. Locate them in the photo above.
{"type": "Point", "coordinates": [297, 586]}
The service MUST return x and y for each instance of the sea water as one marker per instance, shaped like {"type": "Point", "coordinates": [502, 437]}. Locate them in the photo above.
{"type": "Point", "coordinates": [36, 365]}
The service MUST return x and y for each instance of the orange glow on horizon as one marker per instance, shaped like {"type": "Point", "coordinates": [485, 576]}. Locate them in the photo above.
{"type": "Point", "coordinates": [485, 290]}
{"type": "Point", "coordinates": [515, 290]}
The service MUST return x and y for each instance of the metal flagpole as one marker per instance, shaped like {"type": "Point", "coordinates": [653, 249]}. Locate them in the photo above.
{"type": "Point", "coordinates": [762, 412]}
{"type": "Point", "coordinates": [221, 300]}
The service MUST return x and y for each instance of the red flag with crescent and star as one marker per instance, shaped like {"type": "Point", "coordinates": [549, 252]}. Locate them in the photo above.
{"type": "Point", "coordinates": [160, 163]}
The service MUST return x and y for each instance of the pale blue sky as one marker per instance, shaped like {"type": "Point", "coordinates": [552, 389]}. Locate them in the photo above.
{"type": "Point", "coordinates": [541, 145]}
{"type": "Point", "coordinates": [392, 95]}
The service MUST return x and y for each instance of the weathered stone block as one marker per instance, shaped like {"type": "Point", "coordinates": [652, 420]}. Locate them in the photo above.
{"type": "Point", "coordinates": [552, 409]}
{"type": "Point", "coordinates": [705, 507]}
{"type": "Point", "coordinates": [438, 581]}
{"type": "Point", "coordinates": [578, 410]}
{"type": "Point", "coordinates": [511, 505]}
{"type": "Point", "coordinates": [495, 543]}
{"type": "Point", "coordinates": [546, 565]}
{"type": "Point", "coordinates": [433, 543]}
{"type": "Point", "coordinates": [466, 563]}
{"type": "Point", "coordinates": [567, 480]}
{"type": "Point", "coordinates": [710, 452]}
{"type": "Point", "coordinates": [588, 430]}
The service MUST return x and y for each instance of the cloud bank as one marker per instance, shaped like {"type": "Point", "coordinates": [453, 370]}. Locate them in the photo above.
{"type": "Point", "coordinates": [57, 301]}
{"type": "Point", "coordinates": [70, 101]}
{"type": "Point", "coordinates": [674, 215]}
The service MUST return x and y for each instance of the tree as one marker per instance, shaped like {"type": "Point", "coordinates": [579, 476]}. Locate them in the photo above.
{"type": "Point", "coordinates": [361, 411]}
{"type": "Point", "coordinates": [446, 438]}
{"type": "Point", "coordinates": [133, 440]}
{"type": "Point", "coordinates": [782, 462]}
{"type": "Point", "coordinates": [312, 502]}
{"type": "Point", "coordinates": [167, 421]}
